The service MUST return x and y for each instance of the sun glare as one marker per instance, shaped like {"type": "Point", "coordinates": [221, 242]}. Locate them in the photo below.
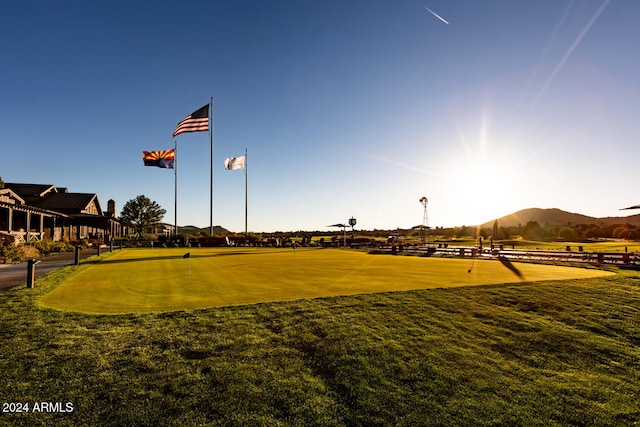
{"type": "Point", "coordinates": [483, 180]}
{"type": "Point", "coordinates": [483, 195]}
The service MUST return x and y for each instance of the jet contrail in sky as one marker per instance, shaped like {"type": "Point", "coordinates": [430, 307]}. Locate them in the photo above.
{"type": "Point", "coordinates": [437, 16]}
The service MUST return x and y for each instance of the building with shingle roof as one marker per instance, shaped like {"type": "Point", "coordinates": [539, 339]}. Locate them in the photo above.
{"type": "Point", "coordinates": [36, 211]}
{"type": "Point", "coordinates": [71, 203]}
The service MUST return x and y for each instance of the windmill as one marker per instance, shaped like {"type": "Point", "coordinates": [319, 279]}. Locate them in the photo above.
{"type": "Point", "coordinates": [425, 218]}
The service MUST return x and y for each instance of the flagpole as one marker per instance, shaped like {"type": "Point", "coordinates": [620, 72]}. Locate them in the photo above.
{"type": "Point", "coordinates": [211, 227]}
{"type": "Point", "coordinates": [246, 188]}
{"type": "Point", "coordinates": [175, 200]}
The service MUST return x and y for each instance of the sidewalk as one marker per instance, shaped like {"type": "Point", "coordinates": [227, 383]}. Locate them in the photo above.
{"type": "Point", "coordinates": [16, 274]}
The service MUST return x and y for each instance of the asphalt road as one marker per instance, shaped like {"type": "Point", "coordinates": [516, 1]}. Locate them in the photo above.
{"type": "Point", "coordinates": [16, 274]}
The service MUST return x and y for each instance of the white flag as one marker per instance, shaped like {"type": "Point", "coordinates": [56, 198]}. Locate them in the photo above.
{"type": "Point", "coordinates": [233, 163]}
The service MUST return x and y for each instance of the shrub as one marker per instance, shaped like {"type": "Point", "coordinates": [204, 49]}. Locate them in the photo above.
{"type": "Point", "coordinates": [20, 253]}
{"type": "Point", "coordinates": [29, 252]}
{"type": "Point", "coordinates": [47, 246]}
{"type": "Point", "coordinates": [9, 254]}
{"type": "Point", "coordinates": [44, 246]}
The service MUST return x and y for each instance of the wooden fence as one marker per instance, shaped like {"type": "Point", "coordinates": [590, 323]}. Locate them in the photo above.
{"type": "Point", "coordinates": [597, 258]}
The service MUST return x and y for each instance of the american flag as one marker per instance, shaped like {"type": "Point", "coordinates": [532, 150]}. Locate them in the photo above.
{"type": "Point", "coordinates": [198, 121]}
{"type": "Point", "coordinates": [161, 159]}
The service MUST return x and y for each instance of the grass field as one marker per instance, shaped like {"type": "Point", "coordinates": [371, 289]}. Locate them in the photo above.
{"type": "Point", "coordinates": [147, 280]}
{"type": "Point", "coordinates": [549, 353]}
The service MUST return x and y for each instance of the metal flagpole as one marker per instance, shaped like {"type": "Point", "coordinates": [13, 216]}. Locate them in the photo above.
{"type": "Point", "coordinates": [246, 188]}
{"type": "Point", "coordinates": [175, 172]}
{"type": "Point", "coordinates": [211, 195]}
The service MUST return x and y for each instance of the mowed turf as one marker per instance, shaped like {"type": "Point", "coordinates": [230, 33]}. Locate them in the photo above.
{"type": "Point", "coordinates": [156, 280]}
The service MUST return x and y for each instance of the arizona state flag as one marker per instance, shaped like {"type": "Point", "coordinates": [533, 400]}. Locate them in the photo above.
{"type": "Point", "coordinates": [161, 159]}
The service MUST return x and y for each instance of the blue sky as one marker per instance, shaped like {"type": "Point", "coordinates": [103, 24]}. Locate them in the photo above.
{"type": "Point", "coordinates": [347, 107]}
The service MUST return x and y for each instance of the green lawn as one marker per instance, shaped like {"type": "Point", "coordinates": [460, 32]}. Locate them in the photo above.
{"type": "Point", "coordinates": [148, 280]}
{"type": "Point", "coordinates": [550, 353]}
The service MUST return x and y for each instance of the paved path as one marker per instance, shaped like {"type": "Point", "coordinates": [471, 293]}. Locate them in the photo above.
{"type": "Point", "coordinates": [16, 274]}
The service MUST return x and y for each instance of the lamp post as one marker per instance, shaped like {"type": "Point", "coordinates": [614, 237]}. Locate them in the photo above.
{"type": "Point", "coordinates": [352, 223]}
{"type": "Point", "coordinates": [425, 218]}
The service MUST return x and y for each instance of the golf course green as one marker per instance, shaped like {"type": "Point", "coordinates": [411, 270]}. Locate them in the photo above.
{"type": "Point", "coordinates": [162, 279]}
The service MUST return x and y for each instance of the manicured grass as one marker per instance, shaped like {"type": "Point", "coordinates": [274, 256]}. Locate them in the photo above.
{"type": "Point", "coordinates": [148, 280]}
{"type": "Point", "coordinates": [531, 354]}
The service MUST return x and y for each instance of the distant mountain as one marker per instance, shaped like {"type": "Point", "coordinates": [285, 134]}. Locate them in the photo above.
{"type": "Point", "coordinates": [558, 217]}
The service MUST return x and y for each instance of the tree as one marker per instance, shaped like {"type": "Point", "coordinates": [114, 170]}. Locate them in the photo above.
{"type": "Point", "coordinates": [532, 231]}
{"type": "Point", "coordinates": [594, 233]}
{"type": "Point", "coordinates": [504, 233]}
{"type": "Point", "coordinates": [1, 184]}
{"type": "Point", "coordinates": [141, 213]}
{"type": "Point", "coordinates": [567, 233]}
{"type": "Point", "coordinates": [624, 232]}
{"type": "Point", "coordinates": [550, 232]}
{"type": "Point", "coordinates": [464, 231]}
{"type": "Point", "coordinates": [496, 232]}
